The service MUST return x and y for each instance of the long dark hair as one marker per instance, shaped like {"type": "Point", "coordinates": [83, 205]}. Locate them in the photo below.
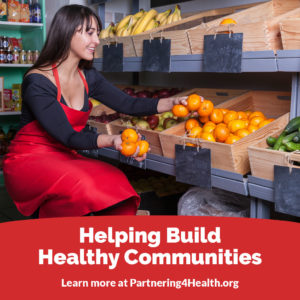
{"type": "Point", "coordinates": [63, 26]}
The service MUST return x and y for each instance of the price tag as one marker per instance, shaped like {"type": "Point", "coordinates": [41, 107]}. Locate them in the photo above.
{"type": "Point", "coordinates": [223, 53]}
{"type": "Point", "coordinates": [286, 190]}
{"type": "Point", "coordinates": [156, 55]}
{"type": "Point", "coordinates": [193, 166]}
{"type": "Point", "coordinates": [113, 58]}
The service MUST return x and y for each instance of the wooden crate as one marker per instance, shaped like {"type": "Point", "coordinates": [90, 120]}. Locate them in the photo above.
{"type": "Point", "coordinates": [217, 96]}
{"type": "Point", "coordinates": [103, 128]}
{"type": "Point", "coordinates": [262, 160]}
{"type": "Point", "coordinates": [234, 157]}
{"type": "Point", "coordinates": [290, 33]}
{"type": "Point", "coordinates": [133, 45]}
{"type": "Point", "coordinates": [151, 136]}
{"type": "Point", "coordinates": [260, 26]}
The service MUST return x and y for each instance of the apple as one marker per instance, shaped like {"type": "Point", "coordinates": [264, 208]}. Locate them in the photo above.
{"type": "Point", "coordinates": [134, 120]}
{"type": "Point", "coordinates": [128, 91]}
{"type": "Point", "coordinates": [142, 124]}
{"type": "Point", "coordinates": [159, 128]}
{"type": "Point", "coordinates": [142, 94]}
{"type": "Point", "coordinates": [95, 102]}
{"type": "Point", "coordinates": [167, 114]}
{"type": "Point", "coordinates": [153, 121]}
{"type": "Point", "coordinates": [169, 122]}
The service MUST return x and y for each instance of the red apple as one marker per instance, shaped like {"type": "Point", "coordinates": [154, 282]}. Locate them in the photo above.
{"type": "Point", "coordinates": [153, 121]}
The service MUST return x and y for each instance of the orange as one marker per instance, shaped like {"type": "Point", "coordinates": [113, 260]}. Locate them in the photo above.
{"type": "Point", "coordinates": [191, 145]}
{"type": "Point", "coordinates": [180, 110]}
{"type": "Point", "coordinates": [232, 139]}
{"type": "Point", "coordinates": [242, 132]}
{"type": "Point", "coordinates": [205, 109]}
{"type": "Point", "coordinates": [224, 110]}
{"type": "Point", "coordinates": [230, 116]}
{"type": "Point", "coordinates": [264, 122]}
{"type": "Point", "coordinates": [128, 148]}
{"type": "Point", "coordinates": [190, 123]}
{"type": "Point", "coordinates": [144, 147]}
{"type": "Point", "coordinates": [208, 128]}
{"type": "Point", "coordinates": [221, 133]}
{"type": "Point", "coordinates": [246, 121]}
{"type": "Point", "coordinates": [216, 115]}
{"type": "Point", "coordinates": [195, 132]}
{"type": "Point", "coordinates": [129, 135]}
{"type": "Point", "coordinates": [222, 124]}
{"type": "Point", "coordinates": [248, 113]}
{"type": "Point", "coordinates": [204, 119]}
{"type": "Point", "coordinates": [235, 125]}
{"type": "Point", "coordinates": [228, 21]}
{"type": "Point", "coordinates": [256, 120]}
{"type": "Point", "coordinates": [242, 115]}
{"type": "Point", "coordinates": [193, 102]}
{"type": "Point", "coordinates": [207, 136]}
{"type": "Point", "coordinates": [209, 123]}
{"type": "Point", "coordinates": [256, 114]}
{"type": "Point", "coordinates": [252, 128]}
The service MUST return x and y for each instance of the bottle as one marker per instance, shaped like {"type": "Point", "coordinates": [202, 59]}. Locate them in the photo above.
{"type": "Point", "coordinates": [36, 55]}
{"type": "Point", "coordinates": [16, 56]}
{"type": "Point", "coordinates": [37, 12]}
{"type": "Point", "coordinates": [9, 55]}
{"type": "Point", "coordinates": [29, 57]}
{"type": "Point", "coordinates": [2, 58]}
{"type": "Point", "coordinates": [5, 43]}
{"type": "Point", "coordinates": [23, 59]}
{"type": "Point", "coordinates": [30, 4]}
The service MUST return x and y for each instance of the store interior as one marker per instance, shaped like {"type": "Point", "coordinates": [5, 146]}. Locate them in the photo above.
{"type": "Point", "coordinates": [160, 193]}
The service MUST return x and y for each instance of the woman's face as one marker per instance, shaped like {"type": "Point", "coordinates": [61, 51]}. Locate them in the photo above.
{"type": "Point", "coordinates": [83, 44]}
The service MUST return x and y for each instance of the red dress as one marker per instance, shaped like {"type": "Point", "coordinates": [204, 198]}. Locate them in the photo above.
{"type": "Point", "coordinates": [41, 173]}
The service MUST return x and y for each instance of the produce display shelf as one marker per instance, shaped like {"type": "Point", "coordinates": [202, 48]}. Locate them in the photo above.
{"type": "Point", "coordinates": [15, 65]}
{"type": "Point", "coordinates": [261, 188]}
{"type": "Point", "coordinates": [225, 180]}
{"type": "Point", "coordinates": [9, 113]}
{"type": "Point", "coordinates": [288, 60]}
{"type": "Point", "coordinates": [256, 61]}
{"type": "Point", "coordinates": [5, 25]}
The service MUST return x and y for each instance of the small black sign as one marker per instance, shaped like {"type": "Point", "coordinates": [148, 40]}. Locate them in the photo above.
{"type": "Point", "coordinates": [286, 190]}
{"type": "Point", "coordinates": [132, 162]}
{"type": "Point", "coordinates": [223, 53]}
{"type": "Point", "coordinates": [193, 166]}
{"type": "Point", "coordinates": [156, 55]}
{"type": "Point", "coordinates": [113, 58]}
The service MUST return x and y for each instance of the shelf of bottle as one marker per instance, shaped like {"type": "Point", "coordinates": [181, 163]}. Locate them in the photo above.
{"type": "Point", "coordinates": [5, 25]}
{"type": "Point", "coordinates": [15, 65]}
{"type": "Point", "coordinates": [9, 113]}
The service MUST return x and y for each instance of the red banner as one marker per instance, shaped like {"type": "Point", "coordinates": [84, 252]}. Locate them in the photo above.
{"type": "Point", "coordinates": [147, 257]}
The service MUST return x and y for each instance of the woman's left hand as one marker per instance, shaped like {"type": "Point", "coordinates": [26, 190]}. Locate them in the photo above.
{"type": "Point", "coordinates": [135, 155]}
{"type": "Point", "coordinates": [166, 104]}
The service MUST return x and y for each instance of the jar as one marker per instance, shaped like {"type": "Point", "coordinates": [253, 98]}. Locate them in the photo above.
{"type": "Point", "coordinates": [23, 59]}
{"type": "Point", "coordinates": [29, 57]}
{"type": "Point", "coordinates": [1, 42]}
{"type": "Point", "coordinates": [16, 57]}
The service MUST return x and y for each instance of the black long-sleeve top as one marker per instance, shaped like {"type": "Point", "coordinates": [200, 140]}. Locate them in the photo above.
{"type": "Point", "coordinates": [40, 103]}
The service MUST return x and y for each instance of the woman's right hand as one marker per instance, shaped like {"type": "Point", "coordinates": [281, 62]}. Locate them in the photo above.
{"type": "Point", "coordinates": [116, 142]}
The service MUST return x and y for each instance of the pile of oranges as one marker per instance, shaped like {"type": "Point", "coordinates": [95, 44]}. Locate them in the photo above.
{"type": "Point", "coordinates": [130, 142]}
{"type": "Point", "coordinates": [219, 124]}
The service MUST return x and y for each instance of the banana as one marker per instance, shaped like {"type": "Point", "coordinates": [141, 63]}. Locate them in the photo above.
{"type": "Point", "coordinates": [137, 23]}
{"type": "Point", "coordinates": [152, 24]}
{"type": "Point", "coordinates": [105, 32]}
{"type": "Point", "coordinates": [139, 14]}
{"type": "Point", "coordinates": [128, 27]}
{"type": "Point", "coordinates": [170, 18]}
{"type": "Point", "coordinates": [145, 21]}
{"type": "Point", "coordinates": [123, 22]}
{"type": "Point", "coordinates": [163, 15]}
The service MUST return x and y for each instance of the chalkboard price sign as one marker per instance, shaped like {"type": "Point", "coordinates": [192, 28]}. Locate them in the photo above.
{"type": "Point", "coordinates": [156, 55]}
{"type": "Point", "coordinates": [193, 166]}
{"type": "Point", "coordinates": [286, 190]}
{"type": "Point", "coordinates": [223, 53]}
{"type": "Point", "coordinates": [113, 58]}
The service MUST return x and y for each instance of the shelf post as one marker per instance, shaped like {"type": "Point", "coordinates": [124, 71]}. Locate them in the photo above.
{"type": "Point", "coordinates": [295, 99]}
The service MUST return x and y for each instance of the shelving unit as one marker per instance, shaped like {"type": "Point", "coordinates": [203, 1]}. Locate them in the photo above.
{"type": "Point", "coordinates": [262, 61]}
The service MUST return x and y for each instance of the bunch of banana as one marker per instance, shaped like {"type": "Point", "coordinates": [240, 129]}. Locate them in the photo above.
{"type": "Point", "coordinates": [175, 16]}
{"type": "Point", "coordinates": [107, 32]}
{"type": "Point", "coordinates": [140, 22]}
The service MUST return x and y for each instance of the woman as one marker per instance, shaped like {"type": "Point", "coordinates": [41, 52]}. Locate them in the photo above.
{"type": "Point", "coordinates": [43, 173]}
